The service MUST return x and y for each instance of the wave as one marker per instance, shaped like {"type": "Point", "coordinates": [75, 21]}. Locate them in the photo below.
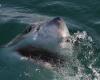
{"type": "Point", "coordinates": [10, 14]}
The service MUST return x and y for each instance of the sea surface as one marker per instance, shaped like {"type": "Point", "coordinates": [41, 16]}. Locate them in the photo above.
{"type": "Point", "coordinates": [81, 16]}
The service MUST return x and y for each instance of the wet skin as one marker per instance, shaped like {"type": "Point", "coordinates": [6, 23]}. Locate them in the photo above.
{"type": "Point", "coordinates": [48, 41]}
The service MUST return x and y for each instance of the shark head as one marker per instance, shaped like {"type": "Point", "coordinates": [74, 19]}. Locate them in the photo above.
{"type": "Point", "coordinates": [48, 39]}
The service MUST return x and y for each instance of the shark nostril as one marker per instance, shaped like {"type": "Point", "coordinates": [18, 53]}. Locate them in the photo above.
{"type": "Point", "coordinates": [57, 19]}
{"type": "Point", "coordinates": [28, 29]}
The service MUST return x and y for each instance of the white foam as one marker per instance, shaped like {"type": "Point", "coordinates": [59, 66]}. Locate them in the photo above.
{"type": "Point", "coordinates": [23, 58]}
{"type": "Point", "coordinates": [38, 70]}
{"type": "Point", "coordinates": [81, 74]}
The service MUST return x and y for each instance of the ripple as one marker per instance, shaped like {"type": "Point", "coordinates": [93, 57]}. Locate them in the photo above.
{"type": "Point", "coordinates": [8, 14]}
{"type": "Point", "coordinates": [62, 4]}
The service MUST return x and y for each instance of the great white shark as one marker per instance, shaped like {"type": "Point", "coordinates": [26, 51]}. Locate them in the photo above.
{"type": "Point", "coordinates": [48, 41]}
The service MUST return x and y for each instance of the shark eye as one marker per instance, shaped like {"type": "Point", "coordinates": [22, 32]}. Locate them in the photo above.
{"type": "Point", "coordinates": [27, 30]}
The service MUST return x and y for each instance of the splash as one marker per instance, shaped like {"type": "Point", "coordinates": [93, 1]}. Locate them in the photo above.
{"type": "Point", "coordinates": [80, 66]}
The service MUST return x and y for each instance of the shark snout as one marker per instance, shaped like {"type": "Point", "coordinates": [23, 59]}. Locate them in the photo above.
{"type": "Point", "coordinates": [59, 24]}
{"type": "Point", "coordinates": [57, 21]}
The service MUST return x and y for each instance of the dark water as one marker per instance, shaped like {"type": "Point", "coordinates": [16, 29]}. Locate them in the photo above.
{"type": "Point", "coordinates": [79, 15]}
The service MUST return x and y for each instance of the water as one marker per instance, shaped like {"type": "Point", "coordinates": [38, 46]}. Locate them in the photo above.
{"type": "Point", "coordinates": [79, 15]}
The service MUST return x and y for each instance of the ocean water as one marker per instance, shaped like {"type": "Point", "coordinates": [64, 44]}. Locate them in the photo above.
{"type": "Point", "coordinates": [79, 15]}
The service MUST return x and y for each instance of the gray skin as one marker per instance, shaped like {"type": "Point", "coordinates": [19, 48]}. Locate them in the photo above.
{"type": "Point", "coordinates": [51, 38]}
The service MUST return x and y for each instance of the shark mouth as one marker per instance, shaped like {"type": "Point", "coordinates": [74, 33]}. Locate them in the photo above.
{"type": "Point", "coordinates": [42, 56]}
